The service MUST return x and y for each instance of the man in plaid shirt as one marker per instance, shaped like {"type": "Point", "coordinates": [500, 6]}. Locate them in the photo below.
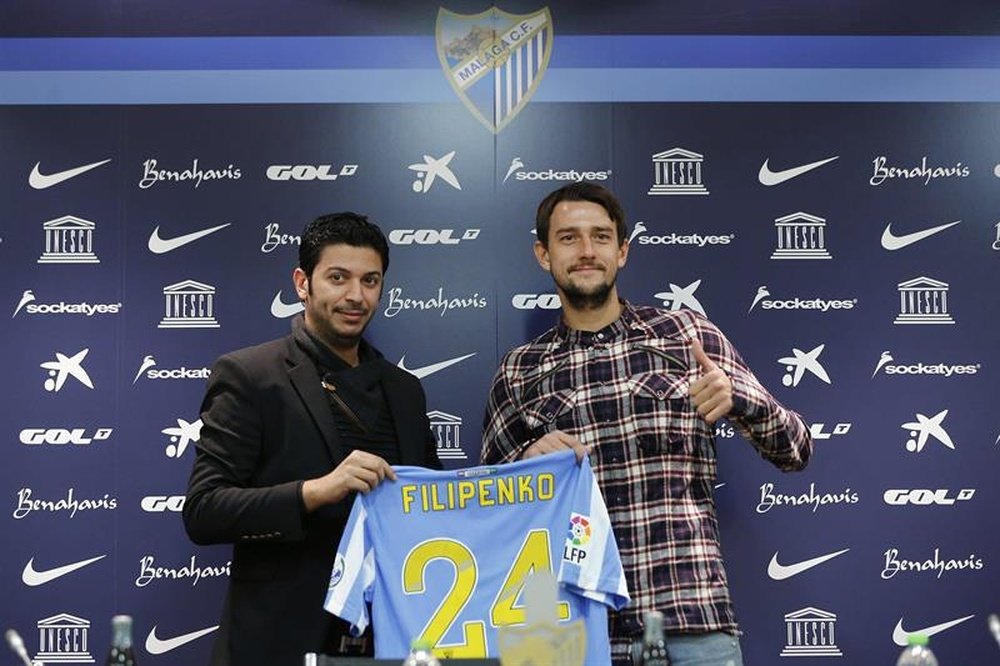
{"type": "Point", "coordinates": [638, 389]}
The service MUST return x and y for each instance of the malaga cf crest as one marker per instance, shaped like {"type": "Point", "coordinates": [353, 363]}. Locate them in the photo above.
{"type": "Point", "coordinates": [494, 60]}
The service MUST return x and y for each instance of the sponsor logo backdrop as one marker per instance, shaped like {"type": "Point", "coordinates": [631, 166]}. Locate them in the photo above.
{"type": "Point", "coordinates": [850, 251]}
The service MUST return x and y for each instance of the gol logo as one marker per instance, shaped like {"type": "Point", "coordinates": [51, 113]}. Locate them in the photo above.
{"type": "Point", "coordinates": [536, 301]}
{"type": "Point", "coordinates": [429, 236]}
{"type": "Point", "coordinates": [59, 436]}
{"type": "Point", "coordinates": [308, 172]}
{"type": "Point", "coordinates": [161, 503]}
{"type": "Point", "coordinates": [925, 497]}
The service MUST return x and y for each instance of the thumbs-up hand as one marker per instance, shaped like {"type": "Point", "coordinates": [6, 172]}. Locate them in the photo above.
{"type": "Point", "coordinates": [712, 392]}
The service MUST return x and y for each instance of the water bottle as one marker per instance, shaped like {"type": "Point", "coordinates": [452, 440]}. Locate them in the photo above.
{"type": "Point", "coordinates": [917, 653]}
{"type": "Point", "coordinates": [654, 645]}
{"type": "Point", "coordinates": [420, 654]}
{"type": "Point", "coordinates": [121, 652]}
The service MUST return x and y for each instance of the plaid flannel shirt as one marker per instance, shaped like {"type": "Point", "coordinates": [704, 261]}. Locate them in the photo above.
{"type": "Point", "coordinates": [624, 390]}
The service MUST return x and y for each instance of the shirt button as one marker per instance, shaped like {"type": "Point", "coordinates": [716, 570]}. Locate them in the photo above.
{"type": "Point", "coordinates": [600, 336]}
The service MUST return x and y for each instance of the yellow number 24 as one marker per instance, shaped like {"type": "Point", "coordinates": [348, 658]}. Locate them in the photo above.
{"type": "Point", "coordinates": [532, 556]}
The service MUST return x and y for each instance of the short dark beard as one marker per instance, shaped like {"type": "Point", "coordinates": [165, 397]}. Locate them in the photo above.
{"type": "Point", "coordinates": [334, 340]}
{"type": "Point", "coordinates": [583, 300]}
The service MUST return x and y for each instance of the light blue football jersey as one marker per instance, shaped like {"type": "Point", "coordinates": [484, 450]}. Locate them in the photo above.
{"type": "Point", "coordinates": [444, 555]}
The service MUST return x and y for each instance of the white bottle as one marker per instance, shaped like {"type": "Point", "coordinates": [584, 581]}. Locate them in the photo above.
{"type": "Point", "coordinates": [421, 655]}
{"type": "Point", "coordinates": [917, 653]}
{"type": "Point", "coordinates": [654, 646]}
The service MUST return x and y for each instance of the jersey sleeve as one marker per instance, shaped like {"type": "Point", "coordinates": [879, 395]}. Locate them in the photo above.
{"type": "Point", "coordinates": [591, 565]}
{"type": "Point", "coordinates": [353, 575]}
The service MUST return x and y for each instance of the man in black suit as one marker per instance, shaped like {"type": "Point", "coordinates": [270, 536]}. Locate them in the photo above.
{"type": "Point", "coordinates": [293, 428]}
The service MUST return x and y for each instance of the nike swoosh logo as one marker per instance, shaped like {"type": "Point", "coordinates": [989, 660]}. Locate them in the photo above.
{"type": "Point", "coordinates": [900, 636]}
{"type": "Point", "coordinates": [285, 310]}
{"type": "Point", "coordinates": [420, 373]}
{"type": "Point", "coordinates": [159, 245]}
{"type": "Point", "coordinates": [156, 645]}
{"type": "Point", "coordinates": [40, 181]}
{"type": "Point", "coordinates": [768, 177]}
{"type": "Point", "coordinates": [780, 572]}
{"type": "Point", "coordinates": [891, 241]}
{"type": "Point", "coordinates": [33, 578]}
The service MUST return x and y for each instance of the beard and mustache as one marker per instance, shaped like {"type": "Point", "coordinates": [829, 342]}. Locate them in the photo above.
{"type": "Point", "coordinates": [585, 298]}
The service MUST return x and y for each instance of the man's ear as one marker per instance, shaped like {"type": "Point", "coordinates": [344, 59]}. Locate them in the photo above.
{"type": "Point", "coordinates": [542, 255]}
{"type": "Point", "coordinates": [301, 281]}
{"type": "Point", "coordinates": [623, 254]}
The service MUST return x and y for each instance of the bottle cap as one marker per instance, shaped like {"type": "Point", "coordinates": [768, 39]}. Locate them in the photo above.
{"type": "Point", "coordinates": [917, 639]}
{"type": "Point", "coordinates": [420, 644]}
{"type": "Point", "coordinates": [653, 619]}
{"type": "Point", "coordinates": [119, 620]}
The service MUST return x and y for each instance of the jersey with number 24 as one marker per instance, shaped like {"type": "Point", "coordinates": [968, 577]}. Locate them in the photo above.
{"type": "Point", "coordinates": [443, 556]}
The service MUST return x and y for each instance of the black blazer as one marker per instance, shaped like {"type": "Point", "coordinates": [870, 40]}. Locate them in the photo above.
{"type": "Point", "coordinates": [268, 426]}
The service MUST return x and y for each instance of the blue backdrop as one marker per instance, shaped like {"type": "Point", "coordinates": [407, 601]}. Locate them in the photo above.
{"type": "Point", "coordinates": [829, 199]}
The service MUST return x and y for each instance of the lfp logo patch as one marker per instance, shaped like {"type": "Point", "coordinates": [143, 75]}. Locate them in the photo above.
{"type": "Point", "coordinates": [579, 530]}
{"type": "Point", "coordinates": [577, 539]}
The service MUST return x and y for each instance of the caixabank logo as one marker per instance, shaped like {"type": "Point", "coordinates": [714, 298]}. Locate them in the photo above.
{"type": "Point", "coordinates": [924, 428]}
{"type": "Point", "coordinates": [64, 367]}
{"type": "Point", "coordinates": [802, 362]}
{"type": "Point", "coordinates": [430, 169]}
{"type": "Point", "coordinates": [494, 60]}
{"type": "Point", "coordinates": [678, 298]}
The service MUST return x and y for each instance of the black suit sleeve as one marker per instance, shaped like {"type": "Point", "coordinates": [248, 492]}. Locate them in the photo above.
{"type": "Point", "coordinates": [222, 504]}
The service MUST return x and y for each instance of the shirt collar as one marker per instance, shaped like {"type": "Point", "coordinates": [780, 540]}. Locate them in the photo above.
{"type": "Point", "coordinates": [321, 355]}
{"type": "Point", "coordinates": [618, 329]}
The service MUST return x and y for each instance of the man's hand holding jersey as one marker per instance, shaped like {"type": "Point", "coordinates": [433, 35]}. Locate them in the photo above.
{"type": "Point", "coordinates": [358, 472]}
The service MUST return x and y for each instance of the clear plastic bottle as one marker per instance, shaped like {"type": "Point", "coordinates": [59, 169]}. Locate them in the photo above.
{"type": "Point", "coordinates": [121, 653]}
{"type": "Point", "coordinates": [420, 654]}
{"type": "Point", "coordinates": [654, 644]}
{"type": "Point", "coordinates": [917, 653]}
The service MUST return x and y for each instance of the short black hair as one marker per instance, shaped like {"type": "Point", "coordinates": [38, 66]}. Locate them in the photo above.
{"type": "Point", "coordinates": [346, 228]}
{"type": "Point", "coordinates": [582, 191]}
